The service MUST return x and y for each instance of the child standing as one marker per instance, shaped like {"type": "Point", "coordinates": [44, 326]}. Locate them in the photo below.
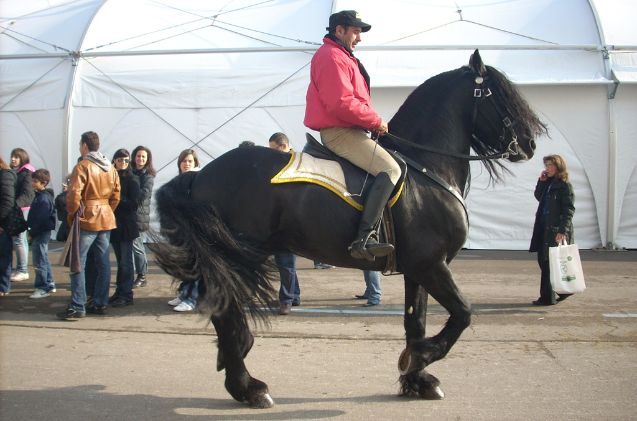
{"type": "Point", "coordinates": [41, 222]}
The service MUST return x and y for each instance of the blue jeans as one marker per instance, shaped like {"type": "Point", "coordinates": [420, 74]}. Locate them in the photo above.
{"type": "Point", "coordinates": [41, 264]}
{"type": "Point", "coordinates": [100, 241]}
{"type": "Point", "coordinates": [189, 293]}
{"type": "Point", "coordinates": [290, 291]}
{"type": "Point", "coordinates": [125, 268]}
{"type": "Point", "coordinates": [6, 247]}
{"type": "Point", "coordinates": [372, 286]}
{"type": "Point", "coordinates": [139, 253]}
{"type": "Point", "coordinates": [21, 247]}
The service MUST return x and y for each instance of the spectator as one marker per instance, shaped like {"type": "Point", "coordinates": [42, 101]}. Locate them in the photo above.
{"type": "Point", "coordinates": [41, 222]}
{"type": "Point", "coordinates": [188, 294]}
{"type": "Point", "coordinates": [142, 168]}
{"type": "Point", "coordinates": [60, 208]}
{"type": "Point", "coordinates": [372, 288]}
{"type": "Point", "coordinates": [246, 144]}
{"type": "Point", "coordinates": [553, 221]}
{"type": "Point", "coordinates": [290, 291]}
{"type": "Point", "coordinates": [23, 196]}
{"type": "Point", "coordinates": [95, 185]}
{"type": "Point", "coordinates": [8, 181]}
{"type": "Point", "coordinates": [127, 231]}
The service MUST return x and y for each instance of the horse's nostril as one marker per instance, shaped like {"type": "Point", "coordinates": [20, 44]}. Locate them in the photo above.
{"type": "Point", "coordinates": [532, 143]}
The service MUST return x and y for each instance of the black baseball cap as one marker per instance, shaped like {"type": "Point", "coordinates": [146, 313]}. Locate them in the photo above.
{"type": "Point", "coordinates": [348, 18]}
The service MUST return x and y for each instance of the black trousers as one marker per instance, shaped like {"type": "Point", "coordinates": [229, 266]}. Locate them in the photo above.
{"type": "Point", "coordinates": [547, 295]}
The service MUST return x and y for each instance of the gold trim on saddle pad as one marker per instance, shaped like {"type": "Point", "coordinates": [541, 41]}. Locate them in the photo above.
{"type": "Point", "coordinates": [305, 168]}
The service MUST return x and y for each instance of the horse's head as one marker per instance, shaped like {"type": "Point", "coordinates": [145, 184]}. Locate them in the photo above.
{"type": "Point", "coordinates": [502, 120]}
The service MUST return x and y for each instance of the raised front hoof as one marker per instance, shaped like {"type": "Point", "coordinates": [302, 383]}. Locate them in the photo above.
{"type": "Point", "coordinates": [421, 385]}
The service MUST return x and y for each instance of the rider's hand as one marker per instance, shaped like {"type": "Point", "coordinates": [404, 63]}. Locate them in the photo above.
{"type": "Point", "coordinates": [382, 129]}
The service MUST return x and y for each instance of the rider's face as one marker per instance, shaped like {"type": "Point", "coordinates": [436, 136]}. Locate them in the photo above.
{"type": "Point", "coordinates": [349, 36]}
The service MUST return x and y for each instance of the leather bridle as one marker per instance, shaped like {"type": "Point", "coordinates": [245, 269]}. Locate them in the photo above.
{"type": "Point", "coordinates": [481, 93]}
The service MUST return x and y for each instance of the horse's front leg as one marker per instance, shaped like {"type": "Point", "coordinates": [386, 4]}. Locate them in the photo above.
{"type": "Point", "coordinates": [417, 383]}
{"type": "Point", "coordinates": [420, 352]}
{"type": "Point", "coordinates": [234, 342]}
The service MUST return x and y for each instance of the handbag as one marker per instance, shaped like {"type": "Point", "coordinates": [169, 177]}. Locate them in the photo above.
{"type": "Point", "coordinates": [567, 276]}
{"type": "Point", "coordinates": [14, 223]}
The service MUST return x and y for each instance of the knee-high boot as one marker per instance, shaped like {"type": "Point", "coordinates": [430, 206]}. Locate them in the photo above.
{"type": "Point", "coordinates": [366, 245]}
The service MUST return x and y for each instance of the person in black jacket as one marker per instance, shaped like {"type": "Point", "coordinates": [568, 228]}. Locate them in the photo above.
{"type": "Point", "coordinates": [60, 208]}
{"type": "Point", "coordinates": [41, 222]}
{"type": "Point", "coordinates": [127, 230]}
{"type": "Point", "coordinates": [8, 180]}
{"type": "Point", "coordinates": [553, 221]}
{"type": "Point", "coordinates": [143, 168]}
{"type": "Point", "coordinates": [24, 195]}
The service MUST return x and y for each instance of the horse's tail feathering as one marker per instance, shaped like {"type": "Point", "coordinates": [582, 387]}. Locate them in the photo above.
{"type": "Point", "coordinates": [197, 245]}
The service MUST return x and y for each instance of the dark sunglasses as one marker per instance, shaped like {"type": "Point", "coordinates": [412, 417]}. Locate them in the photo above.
{"type": "Point", "coordinates": [124, 160]}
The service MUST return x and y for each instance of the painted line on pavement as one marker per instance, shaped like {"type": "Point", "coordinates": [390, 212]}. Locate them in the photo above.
{"type": "Point", "coordinates": [620, 315]}
{"type": "Point", "coordinates": [348, 311]}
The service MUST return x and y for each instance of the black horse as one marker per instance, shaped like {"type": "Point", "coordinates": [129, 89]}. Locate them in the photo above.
{"type": "Point", "coordinates": [223, 222]}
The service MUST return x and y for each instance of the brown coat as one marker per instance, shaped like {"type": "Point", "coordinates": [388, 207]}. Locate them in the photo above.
{"type": "Point", "coordinates": [99, 190]}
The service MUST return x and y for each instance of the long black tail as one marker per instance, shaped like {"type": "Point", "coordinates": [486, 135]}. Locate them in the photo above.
{"type": "Point", "coordinates": [197, 245]}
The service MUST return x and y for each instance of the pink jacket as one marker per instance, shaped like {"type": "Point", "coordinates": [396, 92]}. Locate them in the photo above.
{"type": "Point", "coordinates": [338, 95]}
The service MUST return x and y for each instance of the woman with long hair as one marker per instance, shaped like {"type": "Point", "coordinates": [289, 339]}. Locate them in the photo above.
{"type": "Point", "coordinates": [142, 163]}
{"type": "Point", "coordinates": [553, 221]}
{"type": "Point", "coordinates": [24, 195]}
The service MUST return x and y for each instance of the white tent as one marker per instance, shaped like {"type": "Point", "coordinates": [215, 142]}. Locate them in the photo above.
{"type": "Point", "coordinates": [209, 74]}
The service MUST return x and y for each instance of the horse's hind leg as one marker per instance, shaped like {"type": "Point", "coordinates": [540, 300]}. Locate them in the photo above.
{"type": "Point", "coordinates": [421, 352]}
{"type": "Point", "coordinates": [234, 342]}
{"type": "Point", "coordinates": [416, 383]}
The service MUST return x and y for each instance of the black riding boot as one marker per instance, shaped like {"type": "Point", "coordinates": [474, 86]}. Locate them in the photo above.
{"type": "Point", "coordinates": [366, 245]}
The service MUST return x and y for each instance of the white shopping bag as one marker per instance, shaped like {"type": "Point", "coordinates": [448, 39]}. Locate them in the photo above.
{"type": "Point", "coordinates": [565, 265]}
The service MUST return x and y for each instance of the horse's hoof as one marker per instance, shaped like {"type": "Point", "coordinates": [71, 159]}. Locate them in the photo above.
{"type": "Point", "coordinates": [261, 401]}
{"type": "Point", "coordinates": [433, 394]}
{"type": "Point", "coordinates": [421, 385]}
{"type": "Point", "coordinates": [404, 362]}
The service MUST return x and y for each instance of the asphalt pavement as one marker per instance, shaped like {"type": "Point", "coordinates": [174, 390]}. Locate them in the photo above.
{"type": "Point", "coordinates": [331, 358]}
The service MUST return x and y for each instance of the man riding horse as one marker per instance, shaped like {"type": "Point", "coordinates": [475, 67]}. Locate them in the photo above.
{"type": "Point", "coordinates": [339, 106]}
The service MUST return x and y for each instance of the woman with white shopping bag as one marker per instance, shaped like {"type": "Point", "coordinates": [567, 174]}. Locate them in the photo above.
{"type": "Point", "coordinates": [553, 221]}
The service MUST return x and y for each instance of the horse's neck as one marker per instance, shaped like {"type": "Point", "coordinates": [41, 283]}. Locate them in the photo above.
{"type": "Point", "coordinates": [438, 116]}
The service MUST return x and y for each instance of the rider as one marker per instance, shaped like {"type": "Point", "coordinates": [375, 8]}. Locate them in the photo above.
{"type": "Point", "coordinates": [339, 106]}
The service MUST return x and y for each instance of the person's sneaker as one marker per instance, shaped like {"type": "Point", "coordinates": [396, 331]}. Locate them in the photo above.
{"type": "Point", "coordinates": [323, 266]}
{"type": "Point", "coordinates": [140, 282]}
{"type": "Point", "coordinates": [39, 293]}
{"type": "Point", "coordinates": [70, 314]}
{"type": "Point", "coordinates": [19, 277]}
{"type": "Point", "coordinates": [97, 310]}
{"type": "Point", "coordinates": [181, 307]}
{"type": "Point", "coordinates": [121, 302]}
{"type": "Point", "coordinates": [53, 290]}
{"type": "Point", "coordinates": [174, 302]}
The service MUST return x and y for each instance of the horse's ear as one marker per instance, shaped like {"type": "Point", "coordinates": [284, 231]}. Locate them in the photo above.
{"type": "Point", "coordinates": [475, 62]}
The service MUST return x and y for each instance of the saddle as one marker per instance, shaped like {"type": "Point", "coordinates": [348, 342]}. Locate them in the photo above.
{"type": "Point", "coordinates": [318, 165]}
